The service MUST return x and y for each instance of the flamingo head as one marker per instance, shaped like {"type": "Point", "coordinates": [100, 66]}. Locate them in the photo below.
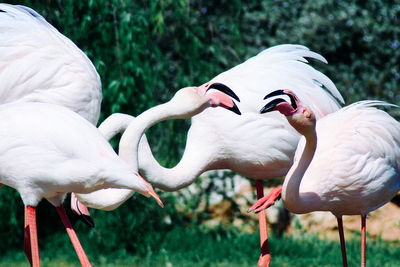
{"type": "Point", "coordinates": [298, 115]}
{"type": "Point", "coordinates": [190, 101]}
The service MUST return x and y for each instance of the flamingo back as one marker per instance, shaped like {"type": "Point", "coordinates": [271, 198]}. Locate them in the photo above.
{"type": "Point", "coordinates": [39, 64]}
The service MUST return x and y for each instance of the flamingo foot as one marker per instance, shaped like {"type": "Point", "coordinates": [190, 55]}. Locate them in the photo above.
{"type": "Point", "coordinates": [31, 247]}
{"type": "Point", "coordinates": [81, 210]}
{"type": "Point", "coordinates": [267, 201]}
{"type": "Point", "coordinates": [74, 238]}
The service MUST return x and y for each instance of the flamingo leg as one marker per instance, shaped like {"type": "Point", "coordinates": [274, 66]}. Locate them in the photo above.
{"type": "Point", "coordinates": [267, 201]}
{"type": "Point", "coordinates": [342, 241]}
{"type": "Point", "coordinates": [74, 238]}
{"type": "Point", "coordinates": [31, 247]}
{"type": "Point", "coordinates": [265, 257]}
{"type": "Point", "coordinates": [363, 240]}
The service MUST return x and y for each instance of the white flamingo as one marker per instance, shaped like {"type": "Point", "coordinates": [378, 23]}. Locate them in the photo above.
{"type": "Point", "coordinates": [46, 151]}
{"type": "Point", "coordinates": [259, 147]}
{"type": "Point", "coordinates": [39, 64]}
{"type": "Point", "coordinates": [347, 163]}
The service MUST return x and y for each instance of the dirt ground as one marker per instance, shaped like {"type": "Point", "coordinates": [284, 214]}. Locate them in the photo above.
{"type": "Point", "coordinates": [383, 223]}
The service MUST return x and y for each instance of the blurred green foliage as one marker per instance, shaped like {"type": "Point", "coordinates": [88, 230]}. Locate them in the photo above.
{"type": "Point", "coordinates": [146, 50]}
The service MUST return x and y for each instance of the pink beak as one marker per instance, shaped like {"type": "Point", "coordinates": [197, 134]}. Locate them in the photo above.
{"type": "Point", "coordinates": [151, 192]}
{"type": "Point", "coordinates": [221, 98]}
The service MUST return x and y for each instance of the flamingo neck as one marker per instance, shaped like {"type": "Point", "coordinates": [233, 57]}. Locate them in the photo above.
{"type": "Point", "coordinates": [294, 200]}
{"type": "Point", "coordinates": [114, 124]}
{"type": "Point", "coordinates": [192, 164]}
{"type": "Point", "coordinates": [129, 142]}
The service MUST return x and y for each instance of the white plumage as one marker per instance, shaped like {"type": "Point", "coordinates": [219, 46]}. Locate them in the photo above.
{"type": "Point", "coordinates": [355, 168]}
{"type": "Point", "coordinates": [39, 64]}
{"type": "Point", "coordinates": [259, 147]}
{"type": "Point", "coordinates": [347, 162]}
{"type": "Point", "coordinates": [47, 150]}
{"type": "Point", "coordinates": [256, 146]}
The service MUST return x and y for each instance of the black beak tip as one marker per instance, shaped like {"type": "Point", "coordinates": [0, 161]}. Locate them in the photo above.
{"type": "Point", "coordinates": [235, 109]}
{"type": "Point", "coordinates": [271, 105]}
{"type": "Point", "coordinates": [87, 220]}
{"type": "Point", "coordinates": [265, 109]}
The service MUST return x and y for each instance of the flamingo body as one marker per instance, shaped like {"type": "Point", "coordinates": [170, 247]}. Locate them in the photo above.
{"type": "Point", "coordinates": [356, 165]}
{"type": "Point", "coordinates": [47, 151]}
{"type": "Point", "coordinates": [347, 162]}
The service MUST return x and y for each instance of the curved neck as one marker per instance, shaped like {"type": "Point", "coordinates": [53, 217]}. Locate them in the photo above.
{"type": "Point", "coordinates": [184, 173]}
{"type": "Point", "coordinates": [129, 143]}
{"type": "Point", "coordinates": [114, 124]}
{"type": "Point", "coordinates": [191, 165]}
{"type": "Point", "coordinates": [294, 200]}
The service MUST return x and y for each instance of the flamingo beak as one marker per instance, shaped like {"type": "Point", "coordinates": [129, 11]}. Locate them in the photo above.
{"type": "Point", "coordinates": [81, 210]}
{"type": "Point", "coordinates": [271, 105]}
{"type": "Point", "coordinates": [274, 103]}
{"type": "Point", "coordinates": [223, 100]}
{"type": "Point", "coordinates": [151, 192]}
{"type": "Point", "coordinates": [155, 196]}
{"type": "Point", "coordinates": [224, 89]}
{"type": "Point", "coordinates": [221, 97]}
{"type": "Point", "coordinates": [293, 98]}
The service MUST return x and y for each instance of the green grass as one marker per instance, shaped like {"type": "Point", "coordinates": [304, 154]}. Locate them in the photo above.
{"type": "Point", "coordinates": [186, 247]}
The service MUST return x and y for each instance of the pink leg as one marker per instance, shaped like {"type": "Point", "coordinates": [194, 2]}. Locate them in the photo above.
{"type": "Point", "coordinates": [363, 240]}
{"type": "Point", "coordinates": [342, 241]}
{"type": "Point", "coordinates": [265, 257]}
{"type": "Point", "coordinates": [31, 246]}
{"type": "Point", "coordinates": [267, 201]}
{"type": "Point", "coordinates": [74, 239]}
